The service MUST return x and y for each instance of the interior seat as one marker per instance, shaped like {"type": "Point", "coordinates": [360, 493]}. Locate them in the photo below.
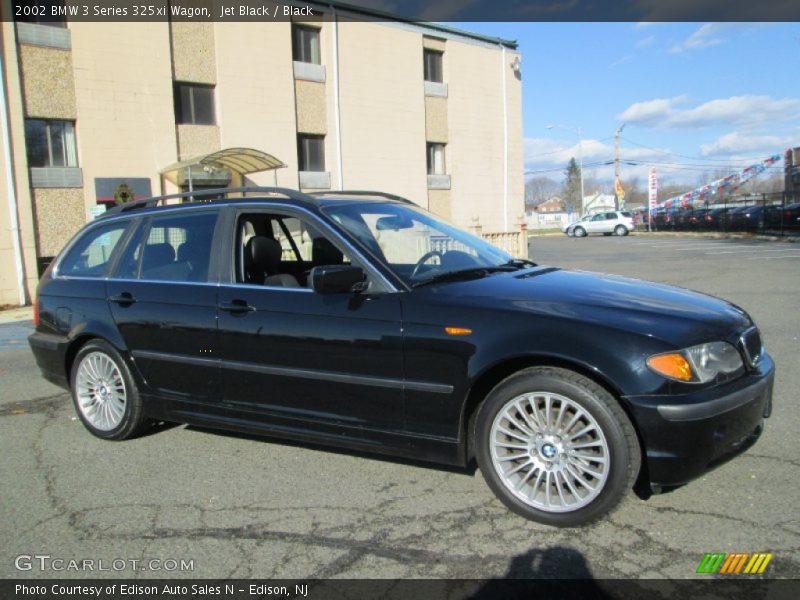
{"type": "Point", "coordinates": [155, 256]}
{"type": "Point", "coordinates": [262, 263]}
{"type": "Point", "coordinates": [323, 252]}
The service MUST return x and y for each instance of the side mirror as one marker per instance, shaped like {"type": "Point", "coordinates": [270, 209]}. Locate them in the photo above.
{"type": "Point", "coordinates": [337, 279]}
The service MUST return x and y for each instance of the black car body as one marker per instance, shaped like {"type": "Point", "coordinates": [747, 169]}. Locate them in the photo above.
{"type": "Point", "coordinates": [374, 363]}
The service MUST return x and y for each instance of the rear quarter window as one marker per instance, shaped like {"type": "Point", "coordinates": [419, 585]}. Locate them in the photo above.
{"type": "Point", "coordinates": [89, 257]}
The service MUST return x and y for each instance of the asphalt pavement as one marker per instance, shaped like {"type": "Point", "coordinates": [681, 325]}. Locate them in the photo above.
{"type": "Point", "coordinates": [236, 506]}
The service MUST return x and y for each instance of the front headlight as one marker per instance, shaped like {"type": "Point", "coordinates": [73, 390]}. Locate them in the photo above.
{"type": "Point", "coordinates": [698, 364]}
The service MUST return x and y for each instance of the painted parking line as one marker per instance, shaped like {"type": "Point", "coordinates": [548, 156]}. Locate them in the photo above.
{"type": "Point", "coordinates": [773, 257]}
{"type": "Point", "coordinates": [755, 250]}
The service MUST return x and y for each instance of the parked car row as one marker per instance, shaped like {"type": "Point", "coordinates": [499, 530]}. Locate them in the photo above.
{"type": "Point", "coordinates": [755, 217]}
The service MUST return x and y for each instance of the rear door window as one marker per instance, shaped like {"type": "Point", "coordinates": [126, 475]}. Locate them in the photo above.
{"type": "Point", "coordinates": [174, 248]}
{"type": "Point", "coordinates": [90, 256]}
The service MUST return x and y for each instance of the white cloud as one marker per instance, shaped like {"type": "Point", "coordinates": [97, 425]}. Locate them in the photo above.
{"type": "Point", "coordinates": [622, 60]}
{"type": "Point", "coordinates": [738, 143]}
{"type": "Point", "coordinates": [705, 36]}
{"type": "Point", "coordinates": [645, 42]}
{"type": "Point", "coordinates": [736, 110]}
{"type": "Point", "coordinates": [652, 112]}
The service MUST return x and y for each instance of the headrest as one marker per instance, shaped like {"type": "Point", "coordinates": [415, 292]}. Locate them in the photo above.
{"type": "Point", "coordinates": [156, 255]}
{"type": "Point", "coordinates": [325, 253]}
{"type": "Point", "coordinates": [263, 253]}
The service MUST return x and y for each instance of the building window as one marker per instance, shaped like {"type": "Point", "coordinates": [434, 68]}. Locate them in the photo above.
{"type": "Point", "coordinates": [194, 104]}
{"type": "Point", "coordinates": [432, 61]}
{"type": "Point", "coordinates": [40, 13]}
{"type": "Point", "coordinates": [311, 152]}
{"type": "Point", "coordinates": [436, 164]}
{"type": "Point", "coordinates": [50, 143]}
{"type": "Point", "coordinates": [305, 44]}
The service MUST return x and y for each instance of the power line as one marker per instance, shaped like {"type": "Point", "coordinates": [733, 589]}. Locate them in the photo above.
{"type": "Point", "coordinates": [717, 160]}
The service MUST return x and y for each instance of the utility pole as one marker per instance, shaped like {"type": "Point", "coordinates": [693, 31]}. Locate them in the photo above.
{"type": "Point", "coordinates": [617, 183]}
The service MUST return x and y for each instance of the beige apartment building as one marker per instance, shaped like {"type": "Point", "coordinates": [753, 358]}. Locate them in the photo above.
{"type": "Point", "coordinates": [97, 113]}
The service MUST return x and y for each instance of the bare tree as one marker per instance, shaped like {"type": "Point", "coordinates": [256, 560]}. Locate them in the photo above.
{"type": "Point", "coordinates": [539, 189]}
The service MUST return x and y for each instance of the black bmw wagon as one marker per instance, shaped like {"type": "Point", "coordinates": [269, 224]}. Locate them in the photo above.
{"type": "Point", "coordinates": [359, 320]}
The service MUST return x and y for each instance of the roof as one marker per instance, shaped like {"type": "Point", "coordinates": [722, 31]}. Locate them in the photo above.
{"type": "Point", "coordinates": [380, 14]}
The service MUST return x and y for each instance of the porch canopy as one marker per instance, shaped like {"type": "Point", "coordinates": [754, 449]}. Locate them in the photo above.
{"type": "Point", "coordinates": [238, 161]}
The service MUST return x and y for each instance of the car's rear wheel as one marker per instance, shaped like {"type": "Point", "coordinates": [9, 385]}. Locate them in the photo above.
{"type": "Point", "coordinates": [104, 393]}
{"type": "Point", "coordinates": [556, 447]}
{"type": "Point", "coordinates": [579, 232]}
{"type": "Point", "coordinates": [620, 230]}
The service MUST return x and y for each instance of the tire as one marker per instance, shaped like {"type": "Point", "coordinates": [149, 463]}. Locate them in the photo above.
{"type": "Point", "coordinates": [539, 482]}
{"type": "Point", "coordinates": [570, 233]}
{"type": "Point", "coordinates": [101, 380]}
{"type": "Point", "coordinates": [579, 232]}
{"type": "Point", "coordinates": [620, 230]}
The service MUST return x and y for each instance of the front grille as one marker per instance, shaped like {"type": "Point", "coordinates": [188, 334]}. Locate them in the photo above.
{"type": "Point", "coordinates": [751, 346]}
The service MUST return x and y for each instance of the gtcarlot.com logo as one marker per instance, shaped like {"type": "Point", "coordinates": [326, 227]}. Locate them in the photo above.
{"type": "Point", "coordinates": [45, 562]}
{"type": "Point", "coordinates": [736, 563]}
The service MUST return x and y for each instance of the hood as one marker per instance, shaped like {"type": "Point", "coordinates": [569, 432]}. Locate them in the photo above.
{"type": "Point", "coordinates": [673, 314]}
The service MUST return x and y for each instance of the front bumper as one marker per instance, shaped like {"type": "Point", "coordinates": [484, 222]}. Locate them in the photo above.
{"type": "Point", "coordinates": [686, 435]}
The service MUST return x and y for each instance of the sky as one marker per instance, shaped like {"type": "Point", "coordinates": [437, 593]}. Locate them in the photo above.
{"type": "Point", "coordinates": [695, 98]}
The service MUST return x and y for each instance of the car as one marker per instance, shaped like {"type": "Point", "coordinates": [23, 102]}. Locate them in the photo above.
{"type": "Point", "coordinates": [359, 320]}
{"type": "Point", "coordinates": [569, 228]}
{"type": "Point", "coordinates": [753, 218]}
{"type": "Point", "coordinates": [618, 222]}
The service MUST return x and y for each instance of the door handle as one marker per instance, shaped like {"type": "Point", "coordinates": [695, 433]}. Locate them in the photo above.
{"type": "Point", "coordinates": [236, 306]}
{"type": "Point", "coordinates": [123, 299]}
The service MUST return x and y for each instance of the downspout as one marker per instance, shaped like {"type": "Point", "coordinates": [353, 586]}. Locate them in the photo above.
{"type": "Point", "coordinates": [505, 140]}
{"type": "Point", "coordinates": [336, 109]}
{"type": "Point", "coordinates": [12, 192]}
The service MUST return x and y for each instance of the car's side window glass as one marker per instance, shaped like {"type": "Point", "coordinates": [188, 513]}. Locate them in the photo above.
{"type": "Point", "coordinates": [611, 216]}
{"type": "Point", "coordinates": [90, 255]}
{"type": "Point", "coordinates": [293, 234]}
{"type": "Point", "coordinates": [280, 250]}
{"type": "Point", "coordinates": [176, 248]}
{"type": "Point", "coordinates": [598, 217]}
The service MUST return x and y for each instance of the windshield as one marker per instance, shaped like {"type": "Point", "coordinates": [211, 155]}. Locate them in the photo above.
{"type": "Point", "coordinates": [414, 244]}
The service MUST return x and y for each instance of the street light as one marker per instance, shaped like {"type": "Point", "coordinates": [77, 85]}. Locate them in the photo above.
{"type": "Point", "coordinates": [577, 130]}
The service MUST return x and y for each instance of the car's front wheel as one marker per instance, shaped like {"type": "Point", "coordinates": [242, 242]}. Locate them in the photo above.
{"type": "Point", "coordinates": [555, 446]}
{"type": "Point", "coordinates": [579, 232]}
{"type": "Point", "coordinates": [104, 393]}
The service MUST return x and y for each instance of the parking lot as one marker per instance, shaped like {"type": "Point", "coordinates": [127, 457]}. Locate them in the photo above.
{"type": "Point", "coordinates": [237, 506]}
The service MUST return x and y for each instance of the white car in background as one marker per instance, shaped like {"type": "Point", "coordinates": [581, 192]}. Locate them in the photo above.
{"type": "Point", "coordinates": [617, 222]}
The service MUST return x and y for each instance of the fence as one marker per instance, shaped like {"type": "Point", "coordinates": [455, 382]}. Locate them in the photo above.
{"type": "Point", "coordinates": [764, 214]}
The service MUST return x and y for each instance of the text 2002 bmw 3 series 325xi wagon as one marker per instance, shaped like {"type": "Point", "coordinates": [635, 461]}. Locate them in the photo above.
{"type": "Point", "coordinates": [357, 319]}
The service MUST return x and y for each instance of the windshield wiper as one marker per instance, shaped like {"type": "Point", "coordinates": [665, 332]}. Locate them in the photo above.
{"type": "Point", "coordinates": [472, 273]}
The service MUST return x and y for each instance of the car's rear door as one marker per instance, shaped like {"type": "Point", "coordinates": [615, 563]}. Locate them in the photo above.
{"type": "Point", "coordinates": [299, 359]}
{"type": "Point", "coordinates": [163, 298]}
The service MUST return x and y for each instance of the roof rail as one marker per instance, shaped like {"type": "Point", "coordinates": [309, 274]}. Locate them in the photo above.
{"type": "Point", "coordinates": [362, 193]}
{"type": "Point", "coordinates": [193, 195]}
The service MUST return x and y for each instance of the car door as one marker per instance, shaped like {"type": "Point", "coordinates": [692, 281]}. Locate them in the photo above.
{"type": "Point", "coordinates": [163, 301]}
{"type": "Point", "coordinates": [299, 358]}
{"type": "Point", "coordinates": [595, 224]}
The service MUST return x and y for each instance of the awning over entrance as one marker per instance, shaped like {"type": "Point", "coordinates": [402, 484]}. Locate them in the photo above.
{"type": "Point", "coordinates": [241, 161]}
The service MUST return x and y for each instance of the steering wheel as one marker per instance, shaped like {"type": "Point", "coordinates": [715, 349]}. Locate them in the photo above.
{"type": "Point", "coordinates": [423, 260]}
